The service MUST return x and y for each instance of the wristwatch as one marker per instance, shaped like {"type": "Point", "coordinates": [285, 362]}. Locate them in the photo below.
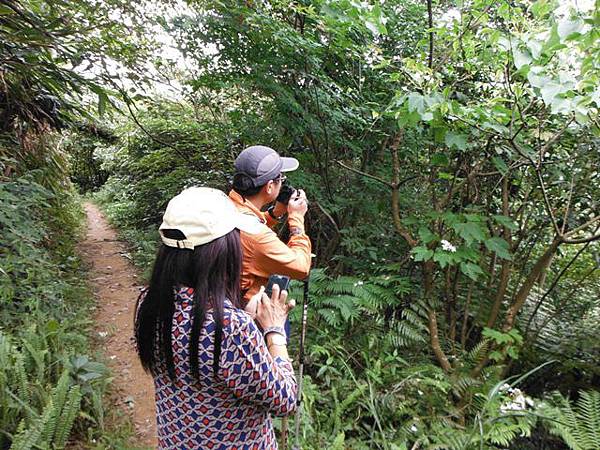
{"type": "Point", "coordinates": [275, 339]}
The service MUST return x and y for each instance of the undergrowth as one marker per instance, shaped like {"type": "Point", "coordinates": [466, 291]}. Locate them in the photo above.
{"type": "Point", "coordinates": [52, 385]}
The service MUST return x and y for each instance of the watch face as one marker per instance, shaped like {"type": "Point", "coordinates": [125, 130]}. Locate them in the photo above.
{"type": "Point", "coordinates": [276, 339]}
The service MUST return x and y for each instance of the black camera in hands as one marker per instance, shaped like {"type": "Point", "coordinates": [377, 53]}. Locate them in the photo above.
{"type": "Point", "coordinates": [285, 194]}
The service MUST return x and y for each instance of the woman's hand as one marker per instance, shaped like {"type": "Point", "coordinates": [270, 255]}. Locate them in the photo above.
{"type": "Point", "coordinates": [271, 312]}
{"type": "Point", "coordinates": [252, 306]}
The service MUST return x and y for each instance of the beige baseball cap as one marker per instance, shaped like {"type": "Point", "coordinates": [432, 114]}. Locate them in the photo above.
{"type": "Point", "coordinates": [204, 214]}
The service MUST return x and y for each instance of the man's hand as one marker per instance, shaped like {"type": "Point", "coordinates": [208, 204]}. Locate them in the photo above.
{"type": "Point", "coordinates": [298, 203]}
{"type": "Point", "coordinates": [280, 209]}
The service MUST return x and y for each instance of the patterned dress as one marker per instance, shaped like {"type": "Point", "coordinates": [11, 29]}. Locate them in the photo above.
{"type": "Point", "coordinates": [231, 411]}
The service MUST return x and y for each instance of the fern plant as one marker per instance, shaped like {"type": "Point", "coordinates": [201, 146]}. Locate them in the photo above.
{"type": "Point", "coordinates": [578, 424]}
{"type": "Point", "coordinates": [52, 428]}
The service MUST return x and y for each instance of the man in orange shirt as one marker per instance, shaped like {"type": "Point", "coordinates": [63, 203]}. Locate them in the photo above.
{"type": "Point", "coordinates": [257, 182]}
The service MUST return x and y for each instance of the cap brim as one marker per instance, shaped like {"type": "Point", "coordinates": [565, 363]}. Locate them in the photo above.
{"type": "Point", "coordinates": [248, 223]}
{"type": "Point", "coordinates": [289, 164]}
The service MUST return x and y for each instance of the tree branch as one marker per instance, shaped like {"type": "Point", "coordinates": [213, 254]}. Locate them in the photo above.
{"type": "Point", "coordinates": [364, 174]}
{"type": "Point", "coordinates": [581, 227]}
{"type": "Point", "coordinates": [401, 229]}
{"type": "Point", "coordinates": [568, 208]}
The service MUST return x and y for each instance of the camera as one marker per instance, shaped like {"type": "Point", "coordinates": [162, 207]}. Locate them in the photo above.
{"type": "Point", "coordinates": [285, 194]}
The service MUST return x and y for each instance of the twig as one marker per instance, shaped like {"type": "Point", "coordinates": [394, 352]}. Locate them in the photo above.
{"type": "Point", "coordinates": [364, 174]}
{"type": "Point", "coordinates": [581, 227]}
{"type": "Point", "coordinates": [564, 224]}
{"type": "Point", "coordinates": [326, 214]}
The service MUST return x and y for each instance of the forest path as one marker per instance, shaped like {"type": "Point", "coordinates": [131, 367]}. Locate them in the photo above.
{"type": "Point", "coordinates": [116, 288]}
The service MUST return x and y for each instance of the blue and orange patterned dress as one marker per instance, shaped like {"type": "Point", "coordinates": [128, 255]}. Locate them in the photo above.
{"type": "Point", "coordinates": [233, 410]}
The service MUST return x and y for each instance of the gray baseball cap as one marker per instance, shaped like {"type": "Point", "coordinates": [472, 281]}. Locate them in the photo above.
{"type": "Point", "coordinates": [261, 164]}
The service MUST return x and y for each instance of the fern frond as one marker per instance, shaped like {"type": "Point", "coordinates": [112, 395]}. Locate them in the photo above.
{"type": "Point", "coordinates": [67, 417]}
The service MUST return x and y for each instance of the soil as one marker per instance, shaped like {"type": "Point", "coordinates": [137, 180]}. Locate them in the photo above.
{"type": "Point", "coordinates": [116, 287]}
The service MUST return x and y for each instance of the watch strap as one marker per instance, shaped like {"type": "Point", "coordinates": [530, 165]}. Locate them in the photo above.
{"type": "Point", "coordinates": [278, 330]}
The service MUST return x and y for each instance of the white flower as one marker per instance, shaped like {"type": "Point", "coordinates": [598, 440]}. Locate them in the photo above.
{"type": "Point", "coordinates": [447, 246]}
{"type": "Point", "coordinates": [517, 401]}
{"type": "Point", "coordinates": [413, 428]}
{"type": "Point", "coordinates": [102, 334]}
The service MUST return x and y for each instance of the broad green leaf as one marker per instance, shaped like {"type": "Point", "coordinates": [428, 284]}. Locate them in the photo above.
{"type": "Point", "coordinates": [550, 90]}
{"type": "Point", "coordinates": [497, 336]}
{"type": "Point", "coordinates": [422, 253]}
{"type": "Point", "coordinates": [416, 103]}
{"type": "Point", "coordinates": [496, 355]}
{"type": "Point", "coordinates": [469, 231]}
{"type": "Point", "coordinates": [498, 246]}
{"type": "Point", "coordinates": [471, 270]}
{"type": "Point", "coordinates": [541, 8]}
{"type": "Point", "coordinates": [500, 164]}
{"type": "Point", "coordinates": [52, 326]}
{"type": "Point", "coordinates": [427, 116]}
{"type": "Point", "coordinates": [426, 235]}
{"type": "Point", "coordinates": [456, 140]}
{"type": "Point", "coordinates": [506, 221]}
{"type": "Point", "coordinates": [444, 258]}
{"type": "Point", "coordinates": [567, 28]}
{"type": "Point", "coordinates": [521, 57]}
{"type": "Point", "coordinates": [537, 80]}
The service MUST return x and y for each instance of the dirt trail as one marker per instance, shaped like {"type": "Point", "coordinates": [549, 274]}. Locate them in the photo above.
{"type": "Point", "coordinates": [116, 287]}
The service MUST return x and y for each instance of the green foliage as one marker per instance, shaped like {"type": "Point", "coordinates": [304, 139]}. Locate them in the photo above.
{"type": "Point", "coordinates": [147, 173]}
{"type": "Point", "coordinates": [577, 424]}
{"type": "Point", "coordinates": [52, 428]}
{"type": "Point", "coordinates": [483, 128]}
{"type": "Point", "coordinates": [43, 57]}
{"type": "Point", "coordinates": [44, 309]}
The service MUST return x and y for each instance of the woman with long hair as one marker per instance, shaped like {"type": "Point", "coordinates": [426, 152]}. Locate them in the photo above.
{"type": "Point", "coordinates": [218, 378]}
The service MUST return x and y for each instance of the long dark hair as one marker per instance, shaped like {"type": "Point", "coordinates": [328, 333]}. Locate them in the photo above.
{"type": "Point", "coordinates": [213, 270]}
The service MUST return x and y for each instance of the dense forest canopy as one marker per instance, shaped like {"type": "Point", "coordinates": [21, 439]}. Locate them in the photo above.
{"type": "Point", "coordinates": [450, 151]}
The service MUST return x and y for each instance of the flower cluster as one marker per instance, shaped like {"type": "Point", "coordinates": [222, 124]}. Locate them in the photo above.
{"type": "Point", "coordinates": [447, 246]}
{"type": "Point", "coordinates": [517, 400]}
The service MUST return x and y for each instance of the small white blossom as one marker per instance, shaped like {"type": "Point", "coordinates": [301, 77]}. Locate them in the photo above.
{"type": "Point", "coordinates": [102, 334]}
{"type": "Point", "coordinates": [413, 428]}
{"type": "Point", "coordinates": [518, 401]}
{"type": "Point", "coordinates": [447, 246]}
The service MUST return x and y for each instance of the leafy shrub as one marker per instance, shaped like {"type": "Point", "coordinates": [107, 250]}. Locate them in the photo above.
{"type": "Point", "coordinates": [44, 309]}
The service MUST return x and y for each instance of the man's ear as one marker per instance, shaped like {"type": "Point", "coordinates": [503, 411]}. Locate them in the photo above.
{"type": "Point", "coordinates": [269, 187]}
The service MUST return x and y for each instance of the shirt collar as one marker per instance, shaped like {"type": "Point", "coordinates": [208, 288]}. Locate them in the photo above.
{"type": "Point", "coordinates": [246, 205]}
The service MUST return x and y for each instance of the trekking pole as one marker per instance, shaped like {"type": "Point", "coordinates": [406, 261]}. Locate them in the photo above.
{"type": "Point", "coordinates": [301, 364]}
